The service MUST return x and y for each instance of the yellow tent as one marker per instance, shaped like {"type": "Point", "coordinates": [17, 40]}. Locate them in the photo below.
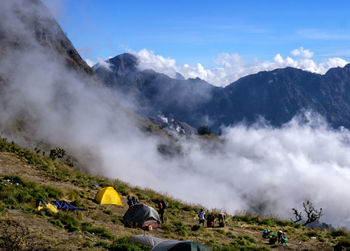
{"type": "Point", "coordinates": [43, 204]}
{"type": "Point", "coordinates": [108, 195]}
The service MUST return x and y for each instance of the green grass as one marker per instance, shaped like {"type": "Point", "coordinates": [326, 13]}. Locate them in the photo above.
{"type": "Point", "coordinates": [14, 191]}
{"type": "Point", "coordinates": [257, 220]}
{"type": "Point", "coordinates": [18, 193]}
{"type": "Point", "coordinates": [88, 227]}
{"type": "Point", "coordinates": [340, 232]}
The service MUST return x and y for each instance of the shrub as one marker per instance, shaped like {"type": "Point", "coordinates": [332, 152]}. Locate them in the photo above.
{"type": "Point", "coordinates": [57, 153]}
{"type": "Point", "coordinates": [166, 228]}
{"type": "Point", "coordinates": [102, 244]}
{"type": "Point", "coordinates": [231, 235]}
{"type": "Point", "coordinates": [57, 223]}
{"type": "Point", "coordinates": [343, 243]}
{"type": "Point", "coordinates": [339, 232]}
{"type": "Point", "coordinates": [180, 228]}
{"type": "Point", "coordinates": [70, 222]}
{"type": "Point", "coordinates": [267, 222]}
{"type": "Point", "coordinates": [88, 227]}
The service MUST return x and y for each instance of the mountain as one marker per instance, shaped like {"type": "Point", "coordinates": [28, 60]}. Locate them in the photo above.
{"type": "Point", "coordinates": [276, 95]}
{"type": "Point", "coordinates": [157, 94]}
{"type": "Point", "coordinates": [24, 29]}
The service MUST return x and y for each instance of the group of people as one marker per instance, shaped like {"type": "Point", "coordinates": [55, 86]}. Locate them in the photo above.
{"type": "Point", "coordinates": [211, 219]}
{"type": "Point", "coordinates": [279, 237]}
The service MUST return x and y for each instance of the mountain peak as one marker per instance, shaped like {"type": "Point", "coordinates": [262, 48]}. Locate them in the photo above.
{"type": "Point", "coordinates": [124, 61]}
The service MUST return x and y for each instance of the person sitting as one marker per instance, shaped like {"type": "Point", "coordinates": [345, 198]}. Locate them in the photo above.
{"type": "Point", "coordinates": [201, 216]}
{"type": "Point", "coordinates": [273, 238]}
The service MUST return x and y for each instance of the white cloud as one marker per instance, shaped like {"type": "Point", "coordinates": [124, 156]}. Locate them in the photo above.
{"type": "Point", "coordinates": [102, 63]}
{"type": "Point", "coordinates": [90, 62]}
{"type": "Point", "coordinates": [302, 52]}
{"type": "Point", "coordinates": [231, 67]}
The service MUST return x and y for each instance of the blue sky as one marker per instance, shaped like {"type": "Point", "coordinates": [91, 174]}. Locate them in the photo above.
{"type": "Point", "coordinates": [197, 31]}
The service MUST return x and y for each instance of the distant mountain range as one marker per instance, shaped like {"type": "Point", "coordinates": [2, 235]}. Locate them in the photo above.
{"type": "Point", "coordinates": [276, 95]}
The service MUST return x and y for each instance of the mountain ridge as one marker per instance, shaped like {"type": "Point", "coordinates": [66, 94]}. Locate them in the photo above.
{"type": "Point", "coordinates": [276, 95]}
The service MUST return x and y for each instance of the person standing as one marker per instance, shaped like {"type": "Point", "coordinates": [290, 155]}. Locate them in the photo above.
{"type": "Point", "coordinates": [161, 209]}
{"type": "Point", "coordinates": [201, 216]}
{"type": "Point", "coordinates": [222, 219]}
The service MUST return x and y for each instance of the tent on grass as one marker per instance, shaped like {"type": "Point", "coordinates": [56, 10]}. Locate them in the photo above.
{"type": "Point", "coordinates": [173, 245]}
{"type": "Point", "coordinates": [108, 195]}
{"type": "Point", "coordinates": [141, 215]}
{"type": "Point", "coordinates": [147, 240]}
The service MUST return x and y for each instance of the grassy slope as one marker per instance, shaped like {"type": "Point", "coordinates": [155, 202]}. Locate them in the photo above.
{"type": "Point", "coordinates": [26, 176]}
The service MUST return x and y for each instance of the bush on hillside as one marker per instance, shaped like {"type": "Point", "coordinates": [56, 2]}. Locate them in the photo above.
{"type": "Point", "coordinates": [57, 153]}
{"type": "Point", "coordinates": [340, 232]}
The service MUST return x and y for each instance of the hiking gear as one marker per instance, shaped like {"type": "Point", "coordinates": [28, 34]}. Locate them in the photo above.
{"type": "Point", "coordinates": [141, 215]}
{"type": "Point", "coordinates": [266, 233]}
{"type": "Point", "coordinates": [42, 204]}
{"type": "Point", "coordinates": [108, 195]}
{"type": "Point", "coordinates": [284, 240]}
{"type": "Point", "coordinates": [61, 204]}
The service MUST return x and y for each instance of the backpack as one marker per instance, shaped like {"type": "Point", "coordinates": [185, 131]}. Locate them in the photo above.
{"type": "Point", "coordinates": [163, 204]}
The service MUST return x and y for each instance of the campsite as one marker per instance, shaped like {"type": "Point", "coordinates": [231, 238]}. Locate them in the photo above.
{"type": "Point", "coordinates": [26, 174]}
{"type": "Point", "coordinates": [174, 125]}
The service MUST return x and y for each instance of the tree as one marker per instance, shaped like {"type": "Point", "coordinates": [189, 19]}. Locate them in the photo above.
{"type": "Point", "coordinates": [312, 214]}
{"type": "Point", "coordinates": [57, 153]}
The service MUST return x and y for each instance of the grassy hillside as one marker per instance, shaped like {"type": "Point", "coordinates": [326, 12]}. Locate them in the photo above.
{"type": "Point", "coordinates": [26, 176]}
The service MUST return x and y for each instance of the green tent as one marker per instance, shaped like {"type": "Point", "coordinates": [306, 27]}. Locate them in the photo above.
{"type": "Point", "coordinates": [180, 246]}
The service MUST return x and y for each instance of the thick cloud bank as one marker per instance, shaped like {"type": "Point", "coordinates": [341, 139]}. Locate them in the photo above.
{"type": "Point", "coordinates": [256, 169]}
{"type": "Point", "coordinates": [232, 66]}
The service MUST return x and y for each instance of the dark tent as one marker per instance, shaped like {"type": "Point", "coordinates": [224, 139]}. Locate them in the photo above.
{"type": "Point", "coordinates": [180, 246]}
{"type": "Point", "coordinates": [141, 215]}
{"type": "Point", "coordinates": [147, 240]}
